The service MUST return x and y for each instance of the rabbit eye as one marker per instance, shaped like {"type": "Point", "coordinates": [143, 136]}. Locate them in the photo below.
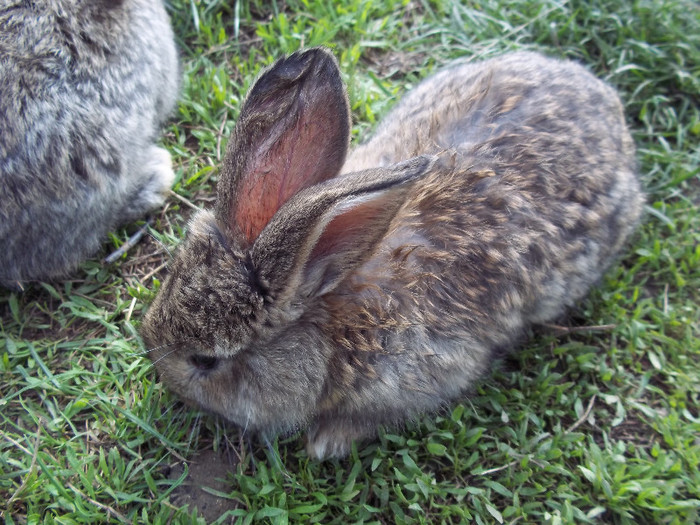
{"type": "Point", "coordinates": [203, 362]}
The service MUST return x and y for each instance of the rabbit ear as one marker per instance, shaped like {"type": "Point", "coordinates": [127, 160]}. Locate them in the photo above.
{"type": "Point", "coordinates": [292, 133]}
{"type": "Point", "coordinates": [325, 232]}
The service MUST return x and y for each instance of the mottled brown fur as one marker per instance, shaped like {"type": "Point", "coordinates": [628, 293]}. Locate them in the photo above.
{"type": "Point", "coordinates": [492, 197]}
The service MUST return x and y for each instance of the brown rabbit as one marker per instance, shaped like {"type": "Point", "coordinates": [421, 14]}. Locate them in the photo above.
{"type": "Point", "coordinates": [339, 296]}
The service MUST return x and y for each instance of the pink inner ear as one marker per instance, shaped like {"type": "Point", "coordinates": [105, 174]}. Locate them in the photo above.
{"type": "Point", "coordinates": [302, 153]}
{"type": "Point", "coordinates": [352, 228]}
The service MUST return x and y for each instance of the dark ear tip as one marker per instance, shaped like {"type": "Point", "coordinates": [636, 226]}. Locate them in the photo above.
{"type": "Point", "coordinates": [315, 54]}
{"type": "Point", "coordinates": [314, 60]}
{"type": "Point", "coordinates": [320, 55]}
{"type": "Point", "coordinates": [314, 64]}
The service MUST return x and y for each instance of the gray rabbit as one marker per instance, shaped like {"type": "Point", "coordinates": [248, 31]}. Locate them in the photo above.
{"type": "Point", "coordinates": [84, 87]}
{"type": "Point", "coordinates": [338, 295]}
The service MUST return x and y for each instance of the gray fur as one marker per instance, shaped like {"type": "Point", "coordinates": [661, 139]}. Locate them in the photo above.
{"type": "Point", "coordinates": [492, 197]}
{"type": "Point", "coordinates": [84, 87]}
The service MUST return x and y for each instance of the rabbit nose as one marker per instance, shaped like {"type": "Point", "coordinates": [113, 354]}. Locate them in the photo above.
{"type": "Point", "coordinates": [203, 362]}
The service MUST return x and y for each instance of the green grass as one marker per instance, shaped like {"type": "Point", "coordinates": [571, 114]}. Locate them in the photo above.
{"type": "Point", "coordinates": [580, 426]}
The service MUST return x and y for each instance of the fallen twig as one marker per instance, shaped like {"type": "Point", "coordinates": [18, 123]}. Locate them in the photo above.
{"type": "Point", "coordinates": [130, 242]}
{"type": "Point", "coordinates": [184, 200]}
{"type": "Point", "coordinates": [582, 418]}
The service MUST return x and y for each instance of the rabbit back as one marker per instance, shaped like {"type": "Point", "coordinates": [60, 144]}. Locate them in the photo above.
{"type": "Point", "coordinates": [540, 157]}
{"type": "Point", "coordinates": [84, 88]}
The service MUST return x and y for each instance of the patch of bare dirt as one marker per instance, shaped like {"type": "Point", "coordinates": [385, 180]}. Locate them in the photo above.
{"type": "Point", "coordinates": [209, 469]}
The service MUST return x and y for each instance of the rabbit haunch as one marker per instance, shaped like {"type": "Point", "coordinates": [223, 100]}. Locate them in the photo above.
{"type": "Point", "coordinates": [337, 296]}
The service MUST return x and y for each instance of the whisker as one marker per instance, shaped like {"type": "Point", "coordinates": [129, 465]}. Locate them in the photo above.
{"type": "Point", "coordinates": [165, 345]}
{"type": "Point", "coordinates": [247, 420]}
{"type": "Point", "coordinates": [162, 244]}
{"type": "Point", "coordinates": [164, 356]}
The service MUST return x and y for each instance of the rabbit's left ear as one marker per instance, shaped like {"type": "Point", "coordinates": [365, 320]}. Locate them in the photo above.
{"type": "Point", "coordinates": [292, 133]}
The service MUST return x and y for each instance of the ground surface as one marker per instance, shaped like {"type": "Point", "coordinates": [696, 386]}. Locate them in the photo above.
{"type": "Point", "coordinates": [596, 421]}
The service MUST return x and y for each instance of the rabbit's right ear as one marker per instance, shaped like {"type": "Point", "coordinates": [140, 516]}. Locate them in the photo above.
{"type": "Point", "coordinates": [323, 233]}
{"type": "Point", "coordinates": [292, 133]}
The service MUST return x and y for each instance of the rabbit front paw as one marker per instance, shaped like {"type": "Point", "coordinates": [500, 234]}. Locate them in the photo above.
{"type": "Point", "coordinates": [154, 179]}
{"type": "Point", "coordinates": [160, 175]}
{"type": "Point", "coordinates": [332, 439]}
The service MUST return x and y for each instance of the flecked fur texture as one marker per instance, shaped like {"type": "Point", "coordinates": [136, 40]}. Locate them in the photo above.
{"type": "Point", "coordinates": [492, 197]}
{"type": "Point", "coordinates": [84, 88]}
